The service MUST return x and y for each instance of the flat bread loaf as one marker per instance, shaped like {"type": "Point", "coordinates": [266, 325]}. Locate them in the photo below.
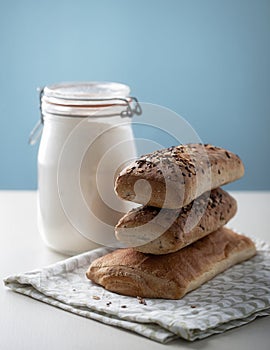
{"type": "Point", "coordinates": [173, 177]}
{"type": "Point", "coordinates": [171, 276]}
{"type": "Point", "coordinates": [161, 231]}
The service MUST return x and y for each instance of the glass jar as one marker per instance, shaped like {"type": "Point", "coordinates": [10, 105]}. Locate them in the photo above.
{"type": "Point", "coordinates": [86, 139]}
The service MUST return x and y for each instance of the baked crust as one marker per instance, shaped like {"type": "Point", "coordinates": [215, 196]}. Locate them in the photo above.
{"type": "Point", "coordinates": [171, 276]}
{"type": "Point", "coordinates": [173, 177]}
{"type": "Point", "coordinates": [161, 231]}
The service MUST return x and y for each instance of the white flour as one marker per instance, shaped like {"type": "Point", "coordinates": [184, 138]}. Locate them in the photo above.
{"type": "Point", "coordinates": [77, 162]}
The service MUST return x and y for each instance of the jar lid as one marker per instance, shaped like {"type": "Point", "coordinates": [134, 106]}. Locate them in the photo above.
{"type": "Point", "coordinates": [87, 99]}
{"type": "Point", "coordinates": [85, 93]}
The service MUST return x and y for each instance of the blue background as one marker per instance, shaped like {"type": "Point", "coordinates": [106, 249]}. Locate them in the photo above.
{"type": "Point", "coordinates": [207, 60]}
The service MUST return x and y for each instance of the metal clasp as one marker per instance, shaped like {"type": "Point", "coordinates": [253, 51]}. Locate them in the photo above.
{"type": "Point", "coordinates": [37, 130]}
{"type": "Point", "coordinates": [130, 111]}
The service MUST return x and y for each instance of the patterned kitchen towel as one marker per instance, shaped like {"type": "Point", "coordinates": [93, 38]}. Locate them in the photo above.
{"type": "Point", "coordinates": [231, 299]}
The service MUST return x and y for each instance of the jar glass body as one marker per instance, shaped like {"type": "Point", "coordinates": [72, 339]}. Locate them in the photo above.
{"type": "Point", "coordinates": [77, 163]}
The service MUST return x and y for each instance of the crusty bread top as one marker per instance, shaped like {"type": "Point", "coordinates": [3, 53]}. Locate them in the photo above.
{"type": "Point", "coordinates": [133, 273]}
{"type": "Point", "coordinates": [161, 231]}
{"type": "Point", "coordinates": [177, 175]}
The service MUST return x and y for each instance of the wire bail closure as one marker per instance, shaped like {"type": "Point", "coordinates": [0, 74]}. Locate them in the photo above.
{"type": "Point", "coordinates": [133, 108]}
{"type": "Point", "coordinates": [37, 129]}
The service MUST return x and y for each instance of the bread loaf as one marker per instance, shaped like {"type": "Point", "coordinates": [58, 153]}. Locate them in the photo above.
{"type": "Point", "coordinates": [162, 231]}
{"type": "Point", "coordinates": [171, 276]}
{"type": "Point", "coordinates": [173, 177]}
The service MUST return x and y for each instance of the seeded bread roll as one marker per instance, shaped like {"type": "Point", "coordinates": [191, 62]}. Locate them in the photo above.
{"type": "Point", "coordinates": [171, 276]}
{"type": "Point", "coordinates": [161, 231]}
{"type": "Point", "coordinates": [173, 177]}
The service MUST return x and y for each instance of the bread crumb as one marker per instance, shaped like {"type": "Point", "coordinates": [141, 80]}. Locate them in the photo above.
{"type": "Point", "coordinates": [141, 300]}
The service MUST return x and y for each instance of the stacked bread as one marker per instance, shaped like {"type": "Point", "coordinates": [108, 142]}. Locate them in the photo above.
{"type": "Point", "coordinates": [176, 240]}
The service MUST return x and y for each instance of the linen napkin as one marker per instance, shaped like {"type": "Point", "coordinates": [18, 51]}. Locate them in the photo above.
{"type": "Point", "coordinates": [231, 299]}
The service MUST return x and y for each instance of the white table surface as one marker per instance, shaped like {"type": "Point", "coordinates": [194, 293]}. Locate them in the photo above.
{"type": "Point", "coordinates": [29, 324]}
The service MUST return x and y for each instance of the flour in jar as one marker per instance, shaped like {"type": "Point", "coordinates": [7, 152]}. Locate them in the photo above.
{"type": "Point", "coordinates": [77, 164]}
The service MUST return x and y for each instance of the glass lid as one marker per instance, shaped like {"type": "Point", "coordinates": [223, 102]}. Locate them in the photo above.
{"type": "Point", "coordinates": [85, 93]}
